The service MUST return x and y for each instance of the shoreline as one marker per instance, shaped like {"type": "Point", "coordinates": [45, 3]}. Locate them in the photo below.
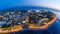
{"type": "Point", "coordinates": [45, 26]}
{"type": "Point", "coordinates": [19, 27]}
{"type": "Point", "coordinates": [12, 29]}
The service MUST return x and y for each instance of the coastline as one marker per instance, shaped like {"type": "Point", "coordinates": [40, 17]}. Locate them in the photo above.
{"type": "Point", "coordinates": [45, 26]}
{"type": "Point", "coordinates": [19, 27]}
{"type": "Point", "coordinates": [12, 29]}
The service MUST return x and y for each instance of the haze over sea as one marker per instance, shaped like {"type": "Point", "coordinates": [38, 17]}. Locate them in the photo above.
{"type": "Point", "coordinates": [51, 5]}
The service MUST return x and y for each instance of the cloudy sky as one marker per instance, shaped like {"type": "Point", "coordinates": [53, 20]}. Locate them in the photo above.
{"type": "Point", "coordinates": [14, 3]}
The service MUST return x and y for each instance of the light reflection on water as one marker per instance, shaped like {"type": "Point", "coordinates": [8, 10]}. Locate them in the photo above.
{"type": "Point", "coordinates": [55, 27]}
{"type": "Point", "coordinates": [52, 29]}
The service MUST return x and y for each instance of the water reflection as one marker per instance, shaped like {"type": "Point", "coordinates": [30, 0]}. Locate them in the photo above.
{"type": "Point", "coordinates": [52, 29]}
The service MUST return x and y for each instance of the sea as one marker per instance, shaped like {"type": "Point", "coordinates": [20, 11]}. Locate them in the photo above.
{"type": "Point", "coordinates": [54, 28]}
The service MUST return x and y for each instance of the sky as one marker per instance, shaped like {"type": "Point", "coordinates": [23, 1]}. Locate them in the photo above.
{"type": "Point", "coordinates": [17, 3]}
